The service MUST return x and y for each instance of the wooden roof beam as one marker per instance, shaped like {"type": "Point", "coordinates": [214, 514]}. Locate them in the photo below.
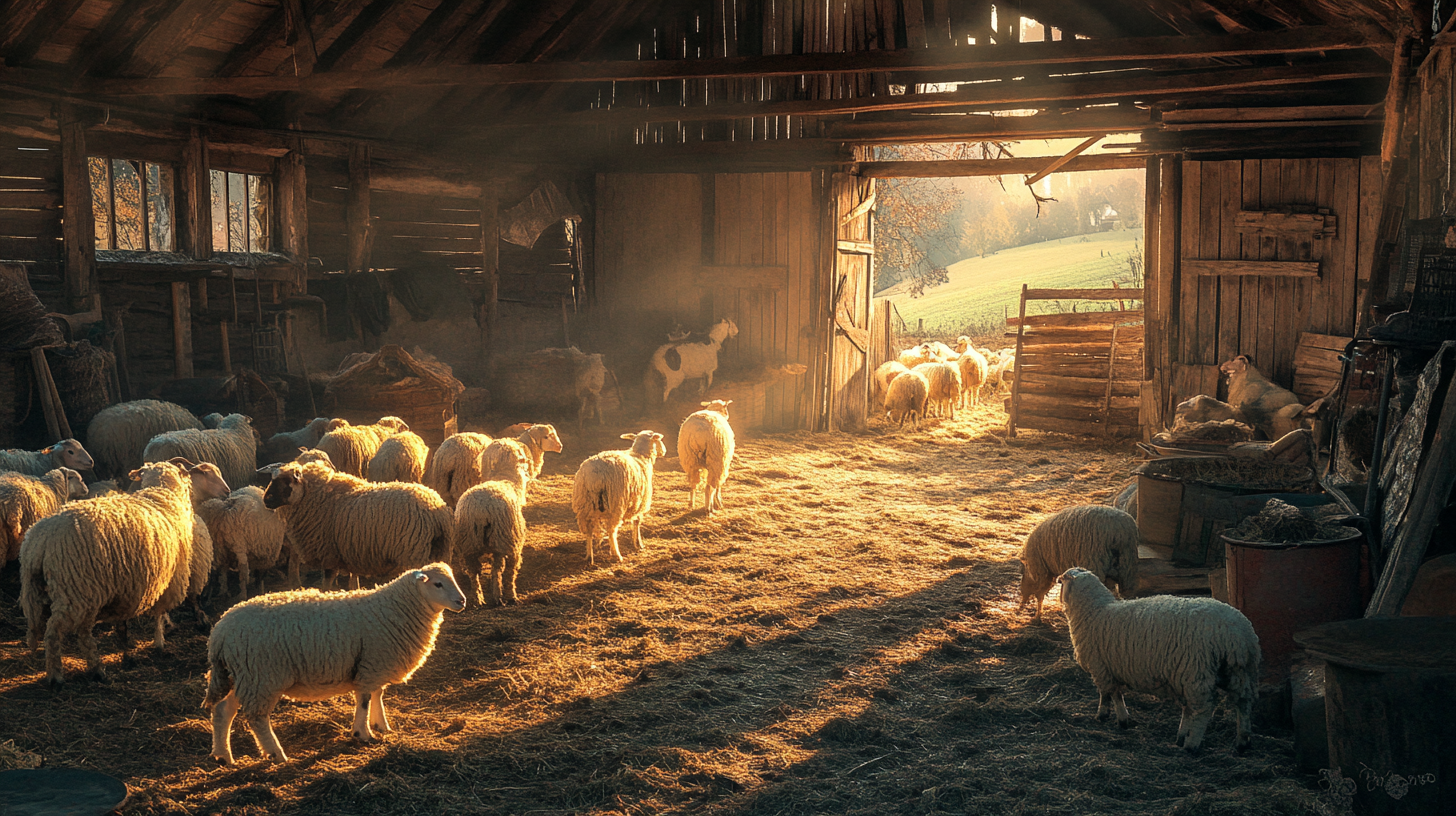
{"type": "Point", "coordinates": [344, 52]}
{"type": "Point", "coordinates": [170, 37]}
{"type": "Point", "coordinates": [988, 127]}
{"type": "Point", "coordinates": [31, 25]}
{"type": "Point", "coordinates": [1065, 52]}
{"type": "Point", "coordinates": [998, 167]}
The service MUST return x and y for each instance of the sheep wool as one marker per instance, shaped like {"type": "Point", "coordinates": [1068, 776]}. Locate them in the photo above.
{"type": "Point", "coordinates": [350, 447]}
{"type": "Point", "coordinates": [1175, 647]}
{"type": "Point", "coordinates": [944, 380]}
{"type": "Point", "coordinates": [232, 446]}
{"type": "Point", "coordinates": [307, 645]}
{"type": "Point", "coordinates": [974, 371]}
{"type": "Point", "coordinates": [906, 397]}
{"type": "Point", "coordinates": [283, 447]}
{"type": "Point", "coordinates": [400, 458]}
{"type": "Point", "coordinates": [884, 375]}
{"type": "Point", "coordinates": [489, 523]}
{"type": "Point", "coordinates": [118, 434]}
{"type": "Point", "coordinates": [705, 450]}
{"type": "Point", "coordinates": [67, 453]}
{"type": "Point", "coordinates": [341, 522]}
{"type": "Point", "coordinates": [614, 488]}
{"type": "Point", "coordinates": [1095, 537]}
{"type": "Point", "coordinates": [246, 535]}
{"type": "Point", "coordinates": [24, 500]}
{"type": "Point", "coordinates": [206, 483]}
{"type": "Point", "coordinates": [454, 467]}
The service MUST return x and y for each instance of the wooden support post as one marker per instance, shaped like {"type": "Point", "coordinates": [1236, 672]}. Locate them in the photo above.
{"type": "Point", "coordinates": [490, 263]}
{"type": "Point", "coordinates": [227, 349]}
{"type": "Point", "coordinates": [201, 287]}
{"type": "Point", "coordinates": [293, 211]}
{"type": "Point", "coordinates": [357, 215]}
{"type": "Point", "coordinates": [118, 341]}
{"type": "Point", "coordinates": [42, 372]}
{"type": "Point", "coordinates": [1016, 383]}
{"type": "Point", "coordinates": [78, 230]}
{"type": "Point", "coordinates": [196, 193]}
{"type": "Point", "coordinates": [181, 331]}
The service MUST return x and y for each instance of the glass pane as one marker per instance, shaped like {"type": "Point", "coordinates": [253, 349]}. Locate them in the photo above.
{"type": "Point", "coordinates": [260, 213]}
{"type": "Point", "coordinates": [159, 207]}
{"type": "Point", "coordinates": [100, 200]}
{"type": "Point", "coordinates": [219, 211]}
{"type": "Point", "coordinates": [126, 188]}
{"type": "Point", "coordinates": [237, 212]}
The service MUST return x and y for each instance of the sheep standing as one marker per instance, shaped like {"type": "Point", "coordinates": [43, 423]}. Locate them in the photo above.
{"type": "Point", "coordinates": [689, 359]}
{"type": "Point", "coordinates": [107, 560]}
{"type": "Point", "coordinates": [535, 441]}
{"type": "Point", "coordinates": [24, 500]}
{"type": "Point", "coordinates": [350, 447]}
{"type": "Point", "coordinates": [944, 381]}
{"type": "Point", "coordinates": [974, 372]}
{"type": "Point", "coordinates": [306, 645]}
{"type": "Point", "coordinates": [705, 448]}
{"type": "Point", "coordinates": [341, 522]}
{"type": "Point", "coordinates": [118, 434]}
{"type": "Point", "coordinates": [66, 453]}
{"type": "Point", "coordinates": [454, 467]}
{"type": "Point", "coordinates": [207, 483]}
{"type": "Point", "coordinates": [400, 458]}
{"type": "Point", "coordinates": [232, 446]}
{"type": "Point", "coordinates": [614, 488]}
{"type": "Point", "coordinates": [1098, 538]}
{"type": "Point", "coordinates": [283, 446]}
{"type": "Point", "coordinates": [246, 535]}
{"type": "Point", "coordinates": [884, 375]}
{"type": "Point", "coordinates": [1170, 646]}
{"type": "Point", "coordinates": [912, 357]}
{"type": "Point", "coordinates": [906, 397]}
{"type": "Point", "coordinates": [489, 521]}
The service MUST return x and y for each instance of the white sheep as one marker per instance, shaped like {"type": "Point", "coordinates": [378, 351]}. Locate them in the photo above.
{"type": "Point", "coordinates": [400, 458]}
{"type": "Point", "coordinates": [207, 483]}
{"type": "Point", "coordinates": [884, 375]}
{"type": "Point", "coordinates": [944, 380]}
{"type": "Point", "coordinates": [350, 447]}
{"type": "Point", "coordinates": [118, 434]}
{"type": "Point", "coordinates": [688, 359]}
{"type": "Point", "coordinates": [1098, 538]}
{"type": "Point", "coordinates": [307, 645]}
{"type": "Point", "coordinates": [916, 355]}
{"type": "Point", "coordinates": [108, 560]}
{"type": "Point", "coordinates": [489, 522]}
{"type": "Point", "coordinates": [24, 500]}
{"type": "Point", "coordinates": [454, 467]}
{"type": "Point", "coordinates": [941, 351]}
{"type": "Point", "coordinates": [614, 488]}
{"type": "Point", "coordinates": [246, 535]}
{"type": "Point", "coordinates": [67, 453]}
{"type": "Point", "coordinates": [341, 522]}
{"type": "Point", "coordinates": [705, 449]}
{"type": "Point", "coordinates": [906, 397]}
{"type": "Point", "coordinates": [232, 446]}
{"type": "Point", "coordinates": [284, 445]}
{"type": "Point", "coordinates": [96, 490]}
{"type": "Point", "coordinates": [1171, 646]}
{"type": "Point", "coordinates": [535, 440]}
{"type": "Point", "coordinates": [975, 371]}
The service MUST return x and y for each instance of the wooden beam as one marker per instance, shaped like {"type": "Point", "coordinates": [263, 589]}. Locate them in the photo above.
{"type": "Point", "coordinates": [1061, 161]}
{"type": "Point", "coordinates": [172, 34]}
{"type": "Point", "coordinates": [345, 50]}
{"type": "Point", "coordinates": [181, 330]}
{"type": "Point", "coordinates": [265, 36]}
{"type": "Point", "coordinates": [742, 277]}
{"type": "Point", "coordinates": [1270, 115]}
{"type": "Point", "coordinates": [357, 209]}
{"type": "Point", "coordinates": [31, 25]}
{"type": "Point", "coordinates": [78, 231]}
{"type": "Point", "coordinates": [986, 126]}
{"type": "Point", "coordinates": [1084, 294]}
{"type": "Point", "coordinates": [1284, 269]}
{"type": "Point", "coordinates": [854, 247]}
{"type": "Point", "coordinates": [293, 211]}
{"type": "Point", "coordinates": [1066, 52]}
{"type": "Point", "coordinates": [300, 36]}
{"type": "Point", "coordinates": [195, 189]}
{"type": "Point", "coordinates": [109, 45]}
{"type": "Point", "coordinates": [995, 167]}
{"type": "Point", "coordinates": [490, 263]}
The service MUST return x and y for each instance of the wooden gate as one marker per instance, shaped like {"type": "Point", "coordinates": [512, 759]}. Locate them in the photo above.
{"type": "Point", "coordinates": [853, 200]}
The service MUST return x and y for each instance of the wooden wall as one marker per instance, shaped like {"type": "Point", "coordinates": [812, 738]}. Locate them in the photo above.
{"type": "Point", "coordinates": [30, 213]}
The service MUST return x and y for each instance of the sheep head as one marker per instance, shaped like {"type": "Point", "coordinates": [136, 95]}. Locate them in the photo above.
{"type": "Point", "coordinates": [75, 485]}
{"type": "Point", "coordinates": [286, 487]}
{"type": "Point", "coordinates": [69, 453]}
{"type": "Point", "coordinates": [542, 437]}
{"type": "Point", "coordinates": [723, 329]}
{"type": "Point", "coordinates": [437, 585]}
{"type": "Point", "coordinates": [394, 423]}
{"type": "Point", "coordinates": [647, 443]}
{"type": "Point", "coordinates": [721, 406]}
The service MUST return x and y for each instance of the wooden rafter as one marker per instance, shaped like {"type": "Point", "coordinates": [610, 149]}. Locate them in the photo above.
{"type": "Point", "coordinates": [31, 25]}
{"type": "Point", "coordinates": [268, 34]}
{"type": "Point", "coordinates": [978, 127]}
{"type": "Point", "coordinates": [1062, 161]}
{"type": "Point", "coordinates": [344, 52]}
{"type": "Point", "coordinates": [300, 36]}
{"type": "Point", "coordinates": [106, 47]}
{"type": "Point", "coordinates": [996, 167]}
{"type": "Point", "coordinates": [170, 37]}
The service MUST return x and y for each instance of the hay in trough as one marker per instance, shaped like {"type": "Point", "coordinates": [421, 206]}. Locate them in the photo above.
{"type": "Point", "coordinates": [1240, 472]}
{"type": "Point", "coordinates": [1282, 523]}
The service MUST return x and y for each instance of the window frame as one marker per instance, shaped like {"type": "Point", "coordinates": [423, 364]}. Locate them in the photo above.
{"type": "Point", "coordinates": [140, 167]}
{"type": "Point", "coordinates": [227, 170]}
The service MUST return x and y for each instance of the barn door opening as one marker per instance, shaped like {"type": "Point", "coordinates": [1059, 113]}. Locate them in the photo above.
{"type": "Point", "coordinates": [852, 281]}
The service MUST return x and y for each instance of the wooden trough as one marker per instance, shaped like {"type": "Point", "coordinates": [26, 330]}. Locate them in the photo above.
{"type": "Point", "coordinates": [390, 382]}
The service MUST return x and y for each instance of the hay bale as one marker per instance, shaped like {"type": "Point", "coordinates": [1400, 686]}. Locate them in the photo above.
{"type": "Point", "coordinates": [23, 321]}
{"type": "Point", "coordinates": [391, 382]}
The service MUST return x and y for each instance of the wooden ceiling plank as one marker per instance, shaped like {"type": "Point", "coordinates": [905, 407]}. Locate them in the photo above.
{"type": "Point", "coordinates": [152, 53]}
{"type": "Point", "coordinates": [130, 20]}
{"type": "Point", "coordinates": [343, 52]}
{"type": "Point", "coordinates": [997, 167]}
{"type": "Point", "coordinates": [985, 127]}
{"type": "Point", "coordinates": [268, 34]}
{"type": "Point", "coordinates": [32, 25]}
{"type": "Point", "coordinates": [300, 36]}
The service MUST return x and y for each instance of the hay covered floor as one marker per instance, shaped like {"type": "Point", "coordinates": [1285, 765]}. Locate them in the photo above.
{"type": "Point", "coordinates": [843, 638]}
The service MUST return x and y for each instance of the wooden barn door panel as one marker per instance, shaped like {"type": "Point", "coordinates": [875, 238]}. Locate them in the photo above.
{"type": "Point", "coordinates": [850, 295]}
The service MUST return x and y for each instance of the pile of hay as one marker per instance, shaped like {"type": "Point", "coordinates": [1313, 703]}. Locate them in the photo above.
{"type": "Point", "coordinates": [1282, 523]}
{"type": "Point", "coordinates": [1243, 473]}
{"type": "Point", "coordinates": [1226, 430]}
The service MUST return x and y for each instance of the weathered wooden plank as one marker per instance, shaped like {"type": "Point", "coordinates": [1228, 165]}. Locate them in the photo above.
{"type": "Point", "coordinates": [1249, 305]}
{"type": "Point", "coordinates": [1107, 318]}
{"type": "Point", "coordinates": [995, 167]}
{"type": "Point", "coordinates": [1209, 247]}
{"type": "Point", "coordinates": [181, 330]}
{"type": "Point", "coordinates": [1256, 222]}
{"type": "Point", "coordinates": [1285, 269]}
{"type": "Point", "coordinates": [1346, 244]}
{"type": "Point", "coordinates": [855, 247]}
{"type": "Point", "coordinates": [1078, 404]}
{"type": "Point", "coordinates": [1271, 308]}
{"type": "Point", "coordinates": [78, 229]}
{"type": "Point", "coordinates": [1041, 422]}
{"type": "Point", "coordinates": [1092, 386]}
{"type": "Point", "coordinates": [359, 223]}
{"type": "Point", "coordinates": [1189, 330]}
{"type": "Point", "coordinates": [1084, 294]}
{"type": "Point", "coordinates": [1073, 334]}
{"type": "Point", "coordinates": [742, 277]}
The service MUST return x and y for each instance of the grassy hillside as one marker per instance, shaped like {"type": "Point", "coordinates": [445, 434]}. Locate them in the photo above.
{"type": "Point", "coordinates": [982, 290]}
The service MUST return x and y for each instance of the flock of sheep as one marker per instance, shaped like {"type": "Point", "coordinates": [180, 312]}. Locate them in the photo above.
{"type": "Point", "coordinates": [373, 502]}
{"type": "Point", "coordinates": [935, 377]}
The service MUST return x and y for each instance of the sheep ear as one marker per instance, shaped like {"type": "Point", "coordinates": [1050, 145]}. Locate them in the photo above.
{"type": "Point", "coordinates": [51, 449]}
{"type": "Point", "coordinates": [629, 436]}
{"type": "Point", "coordinates": [705, 403]}
{"type": "Point", "coordinates": [421, 576]}
{"type": "Point", "coordinates": [135, 475]}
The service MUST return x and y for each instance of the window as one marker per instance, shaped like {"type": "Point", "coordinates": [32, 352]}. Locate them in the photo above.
{"type": "Point", "coordinates": [242, 212]}
{"type": "Point", "coordinates": [131, 202]}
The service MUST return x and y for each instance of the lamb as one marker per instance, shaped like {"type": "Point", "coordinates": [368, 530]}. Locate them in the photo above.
{"type": "Point", "coordinates": [66, 453]}
{"type": "Point", "coordinates": [705, 447]}
{"type": "Point", "coordinates": [884, 375]}
{"type": "Point", "coordinates": [614, 488]}
{"type": "Point", "coordinates": [232, 446]}
{"type": "Point", "coordinates": [1101, 539]}
{"type": "Point", "coordinates": [1268, 407]}
{"type": "Point", "coordinates": [686, 360]}
{"type": "Point", "coordinates": [489, 522]}
{"type": "Point", "coordinates": [306, 645]}
{"type": "Point", "coordinates": [118, 434]}
{"type": "Point", "coordinates": [341, 522]}
{"type": "Point", "coordinates": [400, 458]}
{"type": "Point", "coordinates": [918, 355]}
{"type": "Point", "coordinates": [245, 535]}
{"type": "Point", "coordinates": [975, 372]}
{"type": "Point", "coordinates": [283, 446]}
{"type": "Point", "coordinates": [535, 440]}
{"type": "Point", "coordinates": [24, 500]}
{"type": "Point", "coordinates": [962, 343]}
{"type": "Point", "coordinates": [107, 560]}
{"type": "Point", "coordinates": [907, 396]}
{"type": "Point", "coordinates": [944, 380]}
{"type": "Point", "coordinates": [454, 467]}
{"type": "Point", "coordinates": [1171, 646]}
{"type": "Point", "coordinates": [350, 447]}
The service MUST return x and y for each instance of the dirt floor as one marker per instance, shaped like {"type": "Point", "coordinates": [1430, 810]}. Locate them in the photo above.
{"type": "Point", "coordinates": [842, 638]}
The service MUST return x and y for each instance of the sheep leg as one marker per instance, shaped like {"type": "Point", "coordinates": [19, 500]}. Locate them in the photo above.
{"type": "Point", "coordinates": [1037, 617]}
{"type": "Point", "coordinates": [378, 720]}
{"type": "Point", "coordinates": [244, 575]}
{"type": "Point", "coordinates": [361, 717]}
{"type": "Point", "coordinates": [86, 639]}
{"type": "Point", "coordinates": [1104, 703]}
{"type": "Point", "coordinates": [497, 566]}
{"type": "Point", "coordinates": [508, 578]}
{"type": "Point", "coordinates": [1199, 724]}
{"type": "Point", "coordinates": [262, 727]}
{"type": "Point", "coordinates": [1121, 705]}
{"type": "Point", "coordinates": [1243, 706]}
{"type": "Point", "coordinates": [353, 581]}
{"type": "Point", "coordinates": [55, 676]}
{"type": "Point", "coordinates": [222, 728]}
{"type": "Point", "coordinates": [123, 641]}
{"type": "Point", "coordinates": [616, 551]}
{"type": "Point", "coordinates": [159, 639]}
{"type": "Point", "coordinates": [473, 573]}
{"type": "Point", "coordinates": [637, 528]}
{"type": "Point", "coordinates": [693, 490]}
{"type": "Point", "coordinates": [1183, 724]}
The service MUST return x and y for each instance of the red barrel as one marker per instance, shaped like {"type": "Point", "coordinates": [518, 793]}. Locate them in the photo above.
{"type": "Point", "coordinates": [1286, 588]}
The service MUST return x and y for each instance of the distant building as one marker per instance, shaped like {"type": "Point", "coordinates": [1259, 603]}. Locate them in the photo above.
{"type": "Point", "coordinates": [1105, 218]}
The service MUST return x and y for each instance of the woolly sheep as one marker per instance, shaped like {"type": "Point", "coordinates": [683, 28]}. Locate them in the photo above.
{"type": "Point", "coordinates": [1170, 646]}
{"type": "Point", "coordinates": [535, 440]}
{"type": "Point", "coordinates": [283, 446]}
{"type": "Point", "coordinates": [66, 453]}
{"type": "Point", "coordinates": [489, 523]}
{"type": "Point", "coordinates": [974, 371]}
{"type": "Point", "coordinates": [232, 446]}
{"type": "Point", "coordinates": [306, 645]}
{"type": "Point", "coordinates": [1098, 538]}
{"type": "Point", "coordinates": [400, 458]}
{"type": "Point", "coordinates": [96, 490]}
{"type": "Point", "coordinates": [24, 500]}
{"type": "Point", "coordinates": [941, 351]}
{"type": "Point", "coordinates": [915, 356]}
{"type": "Point", "coordinates": [118, 434]}
{"type": "Point", "coordinates": [350, 447]}
{"type": "Point", "coordinates": [246, 535]}
{"type": "Point", "coordinates": [962, 343]}
{"type": "Point", "coordinates": [341, 522]}
{"type": "Point", "coordinates": [614, 488]}
{"type": "Point", "coordinates": [906, 397]}
{"type": "Point", "coordinates": [884, 375]}
{"type": "Point", "coordinates": [207, 483]}
{"type": "Point", "coordinates": [108, 560]}
{"type": "Point", "coordinates": [705, 447]}
{"type": "Point", "coordinates": [454, 467]}
{"type": "Point", "coordinates": [944, 381]}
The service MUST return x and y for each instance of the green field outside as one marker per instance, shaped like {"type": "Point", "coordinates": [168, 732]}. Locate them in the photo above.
{"type": "Point", "coordinates": [982, 291]}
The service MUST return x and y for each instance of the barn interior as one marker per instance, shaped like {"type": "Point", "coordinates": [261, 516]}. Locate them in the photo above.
{"type": "Point", "coordinates": [456, 212]}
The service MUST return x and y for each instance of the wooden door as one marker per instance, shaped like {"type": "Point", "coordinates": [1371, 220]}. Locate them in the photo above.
{"type": "Point", "coordinates": [852, 202]}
